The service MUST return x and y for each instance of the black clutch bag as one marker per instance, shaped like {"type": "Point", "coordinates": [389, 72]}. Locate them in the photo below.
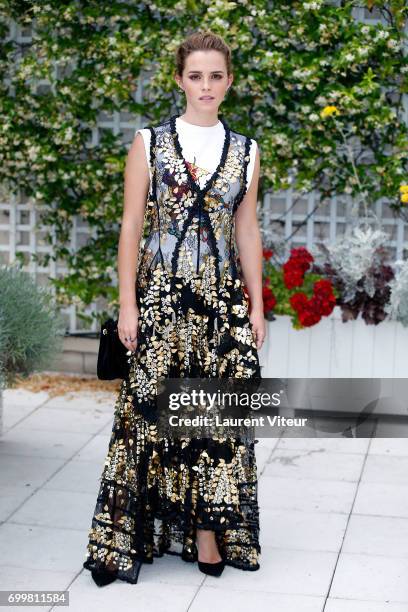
{"type": "Point", "coordinates": [113, 356]}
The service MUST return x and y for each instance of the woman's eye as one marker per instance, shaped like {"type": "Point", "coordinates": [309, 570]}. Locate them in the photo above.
{"type": "Point", "coordinates": [194, 77]}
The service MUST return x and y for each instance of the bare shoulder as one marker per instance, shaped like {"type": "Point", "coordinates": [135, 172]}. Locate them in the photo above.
{"type": "Point", "coordinates": [137, 161]}
{"type": "Point", "coordinates": [253, 187]}
{"type": "Point", "coordinates": [136, 175]}
{"type": "Point", "coordinates": [137, 146]}
{"type": "Point", "coordinates": [255, 148]}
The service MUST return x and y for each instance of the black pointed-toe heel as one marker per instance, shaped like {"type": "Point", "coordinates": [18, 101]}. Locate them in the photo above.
{"type": "Point", "coordinates": [102, 578]}
{"type": "Point", "coordinates": [212, 569]}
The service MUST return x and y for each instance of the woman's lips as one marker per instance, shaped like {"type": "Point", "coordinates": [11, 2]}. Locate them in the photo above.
{"type": "Point", "coordinates": [206, 98]}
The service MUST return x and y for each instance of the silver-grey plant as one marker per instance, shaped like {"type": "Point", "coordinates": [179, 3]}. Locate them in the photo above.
{"type": "Point", "coordinates": [354, 259]}
{"type": "Point", "coordinates": [397, 308]}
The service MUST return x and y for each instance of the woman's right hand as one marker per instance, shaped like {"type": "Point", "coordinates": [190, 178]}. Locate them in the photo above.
{"type": "Point", "coordinates": [128, 323]}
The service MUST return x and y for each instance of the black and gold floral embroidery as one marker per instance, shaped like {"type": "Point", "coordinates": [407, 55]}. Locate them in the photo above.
{"type": "Point", "coordinates": [156, 492]}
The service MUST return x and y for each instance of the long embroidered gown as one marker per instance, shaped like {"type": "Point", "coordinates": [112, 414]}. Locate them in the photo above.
{"type": "Point", "coordinates": [155, 492]}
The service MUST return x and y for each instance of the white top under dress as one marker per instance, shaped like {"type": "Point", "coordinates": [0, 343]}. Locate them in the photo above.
{"type": "Point", "coordinates": [202, 146]}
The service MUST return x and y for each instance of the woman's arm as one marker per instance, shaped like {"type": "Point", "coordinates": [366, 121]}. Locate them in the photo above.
{"type": "Point", "coordinates": [136, 188]}
{"type": "Point", "coordinates": [249, 244]}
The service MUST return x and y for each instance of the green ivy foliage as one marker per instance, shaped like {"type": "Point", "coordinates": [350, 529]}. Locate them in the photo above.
{"type": "Point", "coordinates": [290, 60]}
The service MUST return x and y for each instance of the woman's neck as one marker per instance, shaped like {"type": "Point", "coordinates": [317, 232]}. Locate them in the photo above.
{"type": "Point", "coordinates": [200, 120]}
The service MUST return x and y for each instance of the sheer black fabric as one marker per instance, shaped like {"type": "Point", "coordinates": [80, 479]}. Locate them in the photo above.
{"type": "Point", "coordinates": [156, 492]}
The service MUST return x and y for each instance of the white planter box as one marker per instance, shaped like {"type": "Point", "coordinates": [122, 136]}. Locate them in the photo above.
{"type": "Point", "coordinates": [1, 412]}
{"type": "Point", "coordinates": [333, 349]}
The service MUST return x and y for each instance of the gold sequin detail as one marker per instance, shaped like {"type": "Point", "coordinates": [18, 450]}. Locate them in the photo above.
{"type": "Point", "coordinates": [155, 492]}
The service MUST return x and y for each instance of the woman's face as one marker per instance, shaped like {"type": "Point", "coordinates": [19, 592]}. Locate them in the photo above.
{"type": "Point", "coordinates": [205, 80]}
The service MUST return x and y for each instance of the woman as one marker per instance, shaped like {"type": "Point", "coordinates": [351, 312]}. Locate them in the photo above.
{"type": "Point", "coordinates": [189, 317]}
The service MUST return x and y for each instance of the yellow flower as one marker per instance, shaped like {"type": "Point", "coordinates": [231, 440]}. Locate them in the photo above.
{"type": "Point", "coordinates": [329, 110]}
{"type": "Point", "coordinates": [404, 188]}
{"type": "Point", "coordinates": [404, 198]}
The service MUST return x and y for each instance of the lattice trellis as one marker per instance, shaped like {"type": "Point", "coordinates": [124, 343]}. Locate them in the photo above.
{"type": "Point", "coordinates": [21, 230]}
{"type": "Point", "coordinates": [328, 222]}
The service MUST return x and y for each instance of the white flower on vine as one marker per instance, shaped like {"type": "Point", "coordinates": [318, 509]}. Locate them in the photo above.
{"type": "Point", "coordinates": [349, 57]}
{"type": "Point", "coordinates": [69, 133]}
{"type": "Point", "coordinates": [363, 51]}
{"type": "Point", "coordinates": [33, 152]}
{"type": "Point", "coordinates": [313, 6]}
{"type": "Point", "coordinates": [301, 74]}
{"type": "Point", "coordinates": [393, 44]}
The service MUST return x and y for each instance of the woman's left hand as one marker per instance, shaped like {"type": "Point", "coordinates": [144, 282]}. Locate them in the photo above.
{"type": "Point", "coordinates": [257, 320]}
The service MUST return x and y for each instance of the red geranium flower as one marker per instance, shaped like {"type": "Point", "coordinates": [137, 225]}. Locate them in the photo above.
{"type": "Point", "coordinates": [309, 317]}
{"type": "Point", "coordinates": [308, 311]}
{"type": "Point", "coordinates": [295, 268]}
{"type": "Point", "coordinates": [323, 287]}
{"type": "Point", "coordinates": [301, 253]}
{"type": "Point", "coordinates": [298, 300]}
{"type": "Point", "coordinates": [324, 298]}
{"type": "Point", "coordinates": [269, 299]}
{"type": "Point", "coordinates": [324, 305]}
{"type": "Point", "coordinates": [267, 253]}
{"type": "Point", "coordinates": [292, 278]}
